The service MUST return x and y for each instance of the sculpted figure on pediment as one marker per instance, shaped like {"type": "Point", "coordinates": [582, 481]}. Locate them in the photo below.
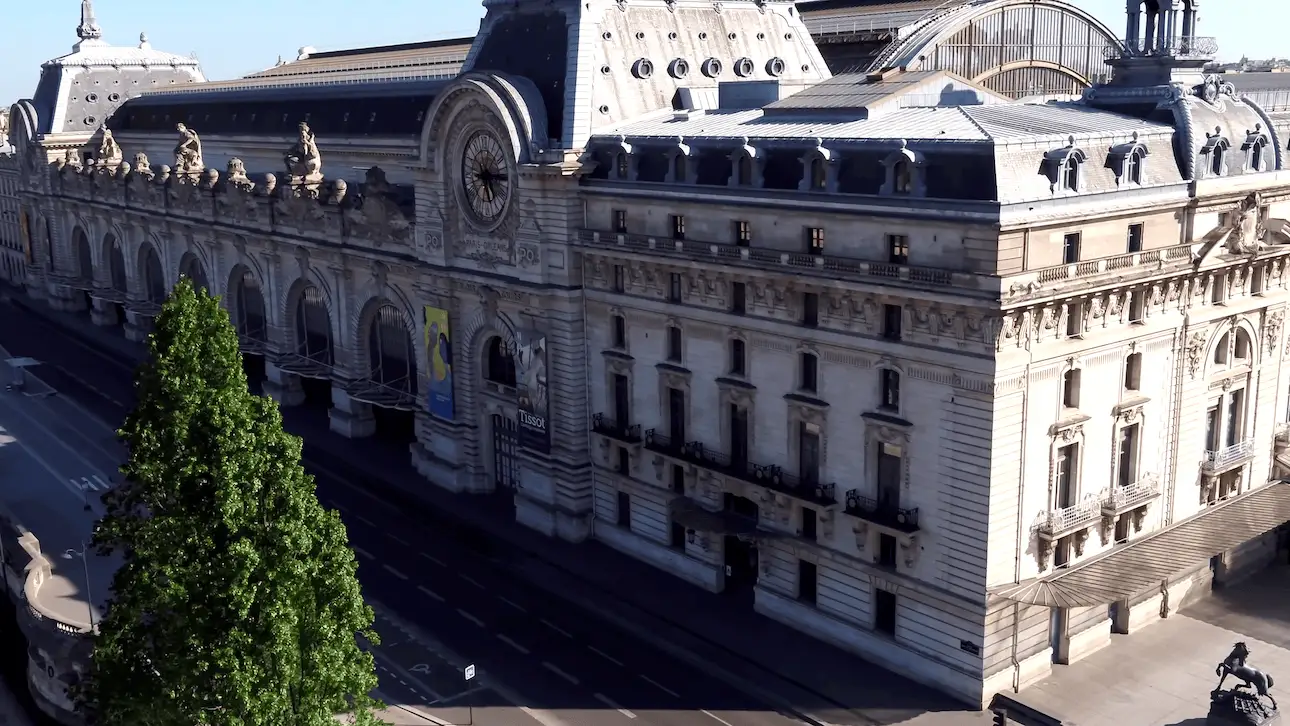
{"type": "Point", "coordinates": [376, 215]}
{"type": "Point", "coordinates": [1247, 233]}
{"type": "Point", "coordinates": [1009, 331]}
{"type": "Point", "coordinates": [71, 162]}
{"type": "Point", "coordinates": [142, 168]}
{"type": "Point", "coordinates": [947, 323]}
{"type": "Point", "coordinates": [300, 212]}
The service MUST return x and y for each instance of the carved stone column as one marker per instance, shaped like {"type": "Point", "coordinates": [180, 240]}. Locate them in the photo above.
{"type": "Point", "coordinates": [349, 418]}
{"type": "Point", "coordinates": [283, 387]}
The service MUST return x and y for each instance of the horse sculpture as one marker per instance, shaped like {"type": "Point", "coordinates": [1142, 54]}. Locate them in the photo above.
{"type": "Point", "coordinates": [1253, 678]}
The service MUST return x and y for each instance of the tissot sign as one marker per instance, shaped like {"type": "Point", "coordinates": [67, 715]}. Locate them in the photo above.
{"type": "Point", "coordinates": [530, 360]}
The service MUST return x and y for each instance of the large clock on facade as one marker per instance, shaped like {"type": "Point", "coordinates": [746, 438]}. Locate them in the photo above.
{"type": "Point", "coordinates": [485, 177]}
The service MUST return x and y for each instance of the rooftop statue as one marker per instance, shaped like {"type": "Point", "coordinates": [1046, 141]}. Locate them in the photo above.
{"type": "Point", "coordinates": [188, 152]}
{"type": "Point", "coordinates": [4, 126]}
{"type": "Point", "coordinates": [109, 154]}
{"type": "Point", "coordinates": [1246, 704]}
{"type": "Point", "coordinates": [304, 163]}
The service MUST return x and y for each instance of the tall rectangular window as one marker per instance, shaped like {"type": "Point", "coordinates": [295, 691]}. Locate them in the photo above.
{"type": "Point", "coordinates": [890, 473]}
{"type": "Point", "coordinates": [1074, 320]}
{"type": "Point", "coordinates": [1133, 372]}
{"type": "Point", "coordinates": [809, 524]}
{"type": "Point", "coordinates": [1212, 428]}
{"type": "Point", "coordinates": [810, 372]}
{"type": "Point", "coordinates": [738, 437]}
{"type": "Point", "coordinates": [808, 454]}
{"type": "Point", "coordinates": [674, 288]}
{"type": "Point", "coordinates": [815, 240]}
{"type": "Point", "coordinates": [1235, 417]}
{"type": "Point", "coordinates": [810, 309]}
{"type": "Point", "coordinates": [1127, 466]}
{"type": "Point", "coordinates": [1070, 248]}
{"type": "Point", "coordinates": [890, 390]}
{"type": "Point", "coordinates": [1135, 237]}
{"type": "Point", "coordinates": [738, 357]}
{"type": "Point", "coordinates": [674, 344]}
{"type": "Point", "coordinates": [1070, 388]}
{"type": "Point", "coordinates": [738, 298]}
{"type": "Point", "coordinates": [624, 510]}
{"type": "Point", "coordinates": [806, 581]}
{"type": "Point", "coordinates": [898, 249]}
{"type": "Point", "coordinates": [678, 227]}
{"type": "Point", "coordinates": [622, 399]}
{"type": "Point", "coordinates": [676, 415]}
{"type": "Point", "coordinates": [742, 233]}
{"type": "Point", "coordinates": [620, 221]}
{"type": "Point", "coordinates": [1137, 306]}
{"type": "Point", "coordinates": [891, 320]}
{"type": "Point", "coordinates": [1064, 493]}
{"type": "Point", "coordinates": [620, 332]}
{"type": "Point", "coordinates": [620, 279]}
{"type": "Point", "coordinates": [884, 612]}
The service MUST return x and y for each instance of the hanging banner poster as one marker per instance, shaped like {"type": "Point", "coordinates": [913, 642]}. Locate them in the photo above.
{"type": "Point", "coordinates": [438, 342]}
{"type": "Point", "coordinates": [530, 365]}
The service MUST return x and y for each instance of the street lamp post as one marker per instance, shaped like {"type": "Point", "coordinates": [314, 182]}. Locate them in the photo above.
{"type": "Point", "coordinates": [85, 566]}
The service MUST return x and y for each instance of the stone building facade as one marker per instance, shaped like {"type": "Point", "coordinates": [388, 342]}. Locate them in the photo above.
{"type": "Point", "coordinates": [964, 385]}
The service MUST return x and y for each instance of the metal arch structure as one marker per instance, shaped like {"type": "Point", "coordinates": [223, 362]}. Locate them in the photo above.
{"type": "Point", "coordinates": [314, 355]}
{"type": "Point", "coordinates": [191, 267]}
{"type": "Point", "coordinates": [250, 314]}
{"type": "Point", "coordinates": [391, 381]}
{"type": "Point", "coordinates": [84, 259]}
{"type": "Point", "coordinates": [1017, 48]}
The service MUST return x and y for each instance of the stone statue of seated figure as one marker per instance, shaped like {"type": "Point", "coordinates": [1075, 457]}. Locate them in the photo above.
{"type": "Point", "coordinates": [304, 163]}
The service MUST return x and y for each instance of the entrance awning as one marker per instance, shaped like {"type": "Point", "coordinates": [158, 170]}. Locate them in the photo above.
{"type": "Point", "coordinates": [1126, 571]}
{"type": "Point", "coordinates": [691, 515]}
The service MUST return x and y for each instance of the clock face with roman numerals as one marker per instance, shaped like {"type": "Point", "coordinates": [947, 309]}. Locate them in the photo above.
{"type": "Point", "coordinates": [485, 177]}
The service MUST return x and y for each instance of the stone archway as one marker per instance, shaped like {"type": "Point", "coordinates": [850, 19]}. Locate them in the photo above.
{"type": "Point", "coordinates": [247, 308]}
{"type": "Point", "coordinates": [191, 267]}
{"type": "Point", "coordinates": [84, 260]}
{"type": "Point", "coordinates": [154, 275]}
{"type": "Point", "coordinates": [391, 355]}
{"type": "Point", "coordinates": [115, 257]}
{"type": "Point", "coordinates": [312, 325]}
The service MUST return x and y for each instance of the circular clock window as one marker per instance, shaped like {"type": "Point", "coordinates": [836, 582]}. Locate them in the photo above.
{"type": "Point", "coordinates": [485, 178]}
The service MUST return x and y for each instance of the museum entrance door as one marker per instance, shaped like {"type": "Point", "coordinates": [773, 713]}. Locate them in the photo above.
{"type": "Point", "coordinates": [506, 472]}
{"type": "Point", "coordinates": [741, 554]}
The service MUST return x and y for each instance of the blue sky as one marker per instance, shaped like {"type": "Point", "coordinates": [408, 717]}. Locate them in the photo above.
{"type": "Point", "coordinates": [236, 37]}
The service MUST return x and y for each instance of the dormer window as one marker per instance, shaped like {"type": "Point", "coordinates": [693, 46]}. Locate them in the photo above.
{"type": "Point", "coordinates": [904, 173]}
{"type": "Point", "coordinates": [1215, 149]}
{"type": "Point", "coordinates": [621, 155]}
{"type": "Point", "coordinates": [1063, 167]}
{"type": "Point", "coordinates": [1070, 175]}
{"type": "Point", "coordinates": [679, 169]}
{"type": "Point", "coordinates": [1133, 168]}
{"type": "Point", "coordinates": [817, 171]}
{"type": "Point", "coordinates": [1255, 145]}
{"type": "Point", "coordinates": [744, 170]}
{"type": "Point", "coordinates": [1127, 161]}
{"type": "Point", "coordinates": [819, 178]}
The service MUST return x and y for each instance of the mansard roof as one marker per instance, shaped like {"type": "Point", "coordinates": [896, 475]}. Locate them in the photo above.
{"type": "Point", "coordinates": [370, 108]}
{"type": "Point", "coordinates": [433, 58]}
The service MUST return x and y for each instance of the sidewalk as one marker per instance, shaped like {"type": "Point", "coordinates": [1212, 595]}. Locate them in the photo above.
{"type": "Point", "coordinates": [826, 683]}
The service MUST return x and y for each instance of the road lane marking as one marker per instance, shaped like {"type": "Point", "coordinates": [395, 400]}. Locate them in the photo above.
{"type": "Point", "coordinates": [430, 592]}
{"type": "Point", "coordinates": [68, 483]}
{"type": "Point", "coordinates": [472, 581]}
{"type": "Point", "coordinates": [609, 702]}
{"type": "Point", "coordinates": [363, 553]}
{"type": "Point", "coordinates": [433, 559]}
{"type": "Point", "coordinates": [556, 628]}
{"type": "Point", "coordinates": [515, 605]}
{"type": "Point", "coordinates": [394, 572]}
{"type": "Point", "coordinates": [713, 715]}
{"type": "Point", "coordinates": [470, 617]}
{"type": "Point", "coordinates": [660, 686]}
{"type": "Point", "coordinates": [604, 655]}
{"type": "Point", "coordinates": [398, 539]}
{"type": "Point", "coordinates": [86, 484]}
{"type": "Point", "coordinates": [364, 520]}
{"type": "Point", "coordinates": [547, 665]}
{"type": "Point", "coordinates": [513, 644]}
{"type": "Point", "coordinates": [104, 485]}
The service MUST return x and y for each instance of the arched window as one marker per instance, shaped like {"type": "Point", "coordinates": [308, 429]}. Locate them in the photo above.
{"type": "Point", "coordinates": [902, 178]}
{"type": "Point", "coordinates": [1217, 161]}
{"type": "Point", "coordinates": [744, 170]}
{"type": "Point", "coordinates": [1220, 350]}
{"type": "Point", "coordinates": [1243, 347]}
{"type": "Point", "coordinates": [819, 176]}
{"type": "Point", "coordinates": [680, 167]}
{"type": "Point", "coordinates": [1133, 167]}
{"type": "Point", "coordinates": [499, 364]}
{"type": "Point", "coordinates": [621, 167]}
{"type": "Point", "coordinates": [1070, 174]}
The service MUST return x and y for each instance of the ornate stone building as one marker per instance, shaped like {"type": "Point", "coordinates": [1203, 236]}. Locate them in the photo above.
{"type": "Point", "coordinates": [847, 344]}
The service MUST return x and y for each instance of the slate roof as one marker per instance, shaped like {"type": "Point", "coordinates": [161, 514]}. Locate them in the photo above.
{"type": "Point", "coordinates": [372, 108]}
{"type": "Point", "coordinates": [958, 123]}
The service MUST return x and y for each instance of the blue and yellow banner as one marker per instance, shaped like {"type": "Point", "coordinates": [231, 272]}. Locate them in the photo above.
{"type": "Point", "coordinates": [438, 342]}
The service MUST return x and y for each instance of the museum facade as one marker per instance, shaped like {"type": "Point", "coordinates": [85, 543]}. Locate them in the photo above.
{"type": "Point", "coordinates": [848, 343]}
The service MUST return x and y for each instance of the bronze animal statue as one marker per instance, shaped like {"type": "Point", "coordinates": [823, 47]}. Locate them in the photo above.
{"type": "Point", "coordinates": [1234, 665]}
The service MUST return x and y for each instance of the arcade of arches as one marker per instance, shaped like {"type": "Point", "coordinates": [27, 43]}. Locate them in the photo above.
{"type": "Point", "coordinates": [374, 394]}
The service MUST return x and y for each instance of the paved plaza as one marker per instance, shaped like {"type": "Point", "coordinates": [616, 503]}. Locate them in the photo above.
{"type": "Point", "coordinates": [1162, 676]}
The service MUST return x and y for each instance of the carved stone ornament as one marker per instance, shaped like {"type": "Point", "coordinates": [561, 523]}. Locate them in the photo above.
{"type": "Point", "coordinates": [375, 215]}
{"type": "Point", "coordinates": [236, 177]}
{"type": "Point", "coordinates": [188, 152]}
{"type": "Point", "coordinates": [1246, 236]}
{"type": "Point", "coordinates": [1195, 351]}
{"type": "Point", "coordinates": [1008, 334]}
{"type": "Point", "coordinates": [1070, 433]}
{"type": "Point", "coordinates": [1272, 330]}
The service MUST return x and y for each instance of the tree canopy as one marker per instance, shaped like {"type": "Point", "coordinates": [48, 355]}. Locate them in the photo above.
{"type": "Point", "coordinates": [237, 602]}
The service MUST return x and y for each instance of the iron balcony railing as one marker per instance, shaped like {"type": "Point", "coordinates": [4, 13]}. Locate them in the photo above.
{"type": "Point", "coordinates": [1121, 499]}
{"type": "Point", "coordinates": [1058, 523]}
{"type": "Point", "coordinates": [882, 513]}
{"type": "Point", "coordinates": [769, 476]}
{"type": "Point", "coordinates": [1193, 48]}
{"type": "Point", "coordinates": [1228, 455]}
{"type": "Point", "coordinates": [605, 426]}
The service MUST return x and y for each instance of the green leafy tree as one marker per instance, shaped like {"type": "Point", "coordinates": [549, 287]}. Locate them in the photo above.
{"type": "Point", "coordinates": [237, 603]}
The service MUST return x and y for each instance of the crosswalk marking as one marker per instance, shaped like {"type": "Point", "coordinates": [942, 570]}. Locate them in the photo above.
{"type": "Point", "coordinates": [102, 483]}
{"type": "Point", "coordinates": [86, 485]}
